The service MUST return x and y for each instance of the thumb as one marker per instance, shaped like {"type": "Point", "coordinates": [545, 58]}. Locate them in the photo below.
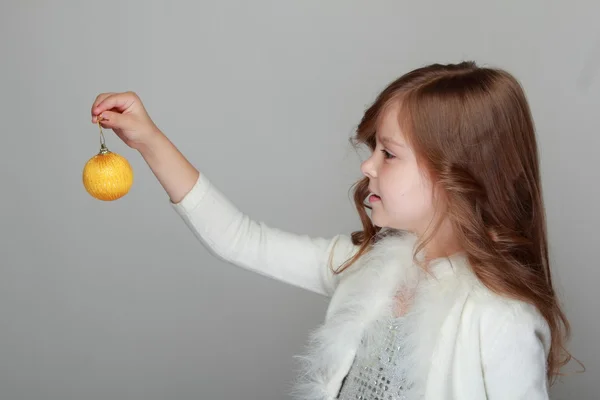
{"type": "Point", "coordinates": [114, 120]}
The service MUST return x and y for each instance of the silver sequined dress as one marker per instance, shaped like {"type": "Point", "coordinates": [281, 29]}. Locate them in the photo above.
{"type": "Point", "coordinates": [375, 375]}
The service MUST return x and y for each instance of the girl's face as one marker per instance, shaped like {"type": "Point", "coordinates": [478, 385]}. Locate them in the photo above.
{"type": "Point", "coordinates": [404, 194]}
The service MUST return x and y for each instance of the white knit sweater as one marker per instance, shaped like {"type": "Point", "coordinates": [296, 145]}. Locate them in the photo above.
{"type": "Point", "coordinates": [462, 342]}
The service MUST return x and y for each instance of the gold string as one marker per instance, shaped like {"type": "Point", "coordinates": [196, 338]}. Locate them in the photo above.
{"type": "Point", "coordinates": [102, 141]}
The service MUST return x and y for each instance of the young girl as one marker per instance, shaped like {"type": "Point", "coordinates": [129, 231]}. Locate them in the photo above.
{"type": "Point", "coordinates": [446, 293]}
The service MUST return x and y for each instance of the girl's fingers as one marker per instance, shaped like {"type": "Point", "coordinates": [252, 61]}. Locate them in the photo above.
{"type": "Point", "coordinates": [97, 101]}
{"type": "Point", "coordinates": [114, 101]}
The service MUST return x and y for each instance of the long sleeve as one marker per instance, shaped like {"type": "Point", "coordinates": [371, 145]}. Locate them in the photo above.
{"type": "Point", "coordinates": [515, 346]}
{"type": "Point", "coordinates": [231, 235]}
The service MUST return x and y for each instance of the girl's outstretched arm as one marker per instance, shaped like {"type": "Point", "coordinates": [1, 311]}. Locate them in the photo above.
{"type": "Point", "coordinates": [299, 260]}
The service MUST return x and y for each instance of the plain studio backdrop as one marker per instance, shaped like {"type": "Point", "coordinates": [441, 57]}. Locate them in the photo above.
{"type": "Point", "coordinates": [118, 300]}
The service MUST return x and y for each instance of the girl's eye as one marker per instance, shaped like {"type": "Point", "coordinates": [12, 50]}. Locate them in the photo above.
{"type": "Point", "coordinates": [387, 154]}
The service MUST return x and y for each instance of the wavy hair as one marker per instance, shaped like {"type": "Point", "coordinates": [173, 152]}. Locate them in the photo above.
{"type": "Point", "coordinates": [472, 130]}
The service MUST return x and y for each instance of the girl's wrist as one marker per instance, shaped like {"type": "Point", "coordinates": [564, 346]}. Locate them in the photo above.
{"type": "Point", "coordinates": [152, 143]}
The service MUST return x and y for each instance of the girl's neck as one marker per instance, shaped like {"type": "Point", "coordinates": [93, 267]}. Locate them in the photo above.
{"type": "Point", "coordinates": [443, 244]}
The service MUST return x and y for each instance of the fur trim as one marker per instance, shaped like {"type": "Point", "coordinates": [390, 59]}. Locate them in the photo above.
{"type": "Point", "coordinates": [361, 307]}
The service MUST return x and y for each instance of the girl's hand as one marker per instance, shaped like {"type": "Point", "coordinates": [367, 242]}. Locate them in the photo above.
{"type": "Point", "coordinates": [125, 114]}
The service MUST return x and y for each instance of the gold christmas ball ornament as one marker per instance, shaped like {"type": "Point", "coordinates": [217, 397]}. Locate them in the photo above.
{"type": "Point", "coordinates": [107, 176]}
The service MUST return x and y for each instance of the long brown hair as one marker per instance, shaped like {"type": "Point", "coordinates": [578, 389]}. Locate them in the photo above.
{"type": "Point", "coordinates": [472, 130]}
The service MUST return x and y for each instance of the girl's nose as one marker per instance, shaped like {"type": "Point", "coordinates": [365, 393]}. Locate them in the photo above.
{"type": "Point", "coordinates": [368, 168]}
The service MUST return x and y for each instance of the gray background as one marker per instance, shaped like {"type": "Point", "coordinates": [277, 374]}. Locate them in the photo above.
{"type": "Point", "coordinates": [118, 300]}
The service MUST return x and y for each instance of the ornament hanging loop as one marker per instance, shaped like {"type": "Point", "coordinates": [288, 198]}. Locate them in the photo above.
{"type": "Point", "coordinates": [103, 148]}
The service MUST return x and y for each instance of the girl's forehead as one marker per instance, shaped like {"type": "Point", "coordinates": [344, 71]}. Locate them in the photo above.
{"type": "Point", "coordinates": [389, 129]}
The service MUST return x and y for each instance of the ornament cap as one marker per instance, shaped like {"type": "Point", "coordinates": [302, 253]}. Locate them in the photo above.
{"type": "Point", "coordinates": [103, 149]}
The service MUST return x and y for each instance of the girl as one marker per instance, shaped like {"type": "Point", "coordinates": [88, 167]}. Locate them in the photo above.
{"type": "Point", "coordinates": [446, 292]}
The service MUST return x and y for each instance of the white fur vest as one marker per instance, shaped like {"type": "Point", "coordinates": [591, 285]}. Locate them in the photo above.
{"type": "Point", "coordinates": [448, 313]}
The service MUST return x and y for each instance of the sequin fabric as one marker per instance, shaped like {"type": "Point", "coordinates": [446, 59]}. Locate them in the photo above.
{"type": "Point", "coordinates": [375, 375]}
